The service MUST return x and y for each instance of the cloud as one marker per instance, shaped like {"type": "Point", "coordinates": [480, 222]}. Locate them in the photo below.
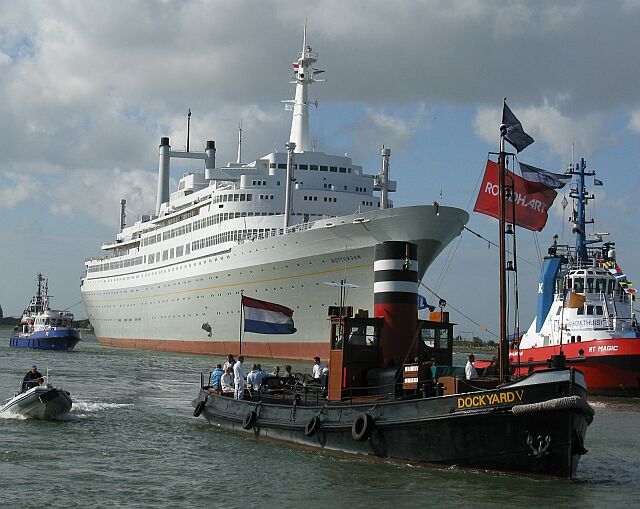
{"type": "Point", "coordinates": [24, 188]}
{"type": "Point", "coordinates": [99, 194]}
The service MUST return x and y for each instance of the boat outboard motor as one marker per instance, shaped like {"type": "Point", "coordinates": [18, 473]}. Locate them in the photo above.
{"type": "Point", "coordinates": [395, 298]}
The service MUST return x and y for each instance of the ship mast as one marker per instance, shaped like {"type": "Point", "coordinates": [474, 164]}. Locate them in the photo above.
{"type": "Point", "coordinates": [581, 198]}
{"type": "Point", "coordinates": [303, 77]}
{"type": "Point", "coordinates": [503, 351]}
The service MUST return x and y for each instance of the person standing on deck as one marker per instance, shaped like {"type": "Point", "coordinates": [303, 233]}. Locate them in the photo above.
{"type": "Point", "coordinates": [318, 368]}
{"type": "Point", "coordinates": [470, 370]}
{"type": "Point", "coordinates": [238, 378]}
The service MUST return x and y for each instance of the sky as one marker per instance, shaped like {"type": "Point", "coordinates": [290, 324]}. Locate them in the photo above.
{"type": "Point", "coordinates": [88, 88]}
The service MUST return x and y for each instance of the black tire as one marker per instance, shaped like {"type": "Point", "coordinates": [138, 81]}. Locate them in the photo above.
{"type": "Point", "coordinates": [250, 420]}
{"type": "Point", "coordinates": [362, 427]}
{"type": "Point", "coordinates": [312, 426]}
{"type": "Point", "coordinates": [199, 409]}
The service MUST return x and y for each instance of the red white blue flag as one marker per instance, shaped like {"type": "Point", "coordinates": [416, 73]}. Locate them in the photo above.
{"type": "Point", "coordinates": [264, 317]}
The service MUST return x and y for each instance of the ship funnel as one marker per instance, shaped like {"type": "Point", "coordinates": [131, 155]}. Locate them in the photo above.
{"type": "Point", "coordinates": [395, 298]}
{"type": "Point", "coordinates": [210, 161]}
{"type": "Point", "coordinates": [163, 174]}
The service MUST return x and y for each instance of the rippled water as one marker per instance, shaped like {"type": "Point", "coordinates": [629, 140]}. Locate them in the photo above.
{"type": "Point", "coordinates": [131, 441]}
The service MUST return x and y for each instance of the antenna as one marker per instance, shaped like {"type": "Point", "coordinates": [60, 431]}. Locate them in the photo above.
{"type": "Point", "coordinates": [239, 158]}
{"type": "Point", "coordinates": [188, 127]}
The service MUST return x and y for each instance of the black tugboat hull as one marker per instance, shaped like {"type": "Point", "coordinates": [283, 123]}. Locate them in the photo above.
{"type": "Point", "coordinates": [540, 436]}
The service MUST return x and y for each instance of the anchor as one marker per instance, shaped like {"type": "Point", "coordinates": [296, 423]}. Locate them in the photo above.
{"type": "Point", "coordinates": [539, 448]}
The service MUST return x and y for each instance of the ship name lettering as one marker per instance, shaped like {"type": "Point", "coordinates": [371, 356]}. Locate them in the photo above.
{"type": "Point", "coordinates": [346, 258]}
{"type": "Point", "coordinates": [603, 348]}
{"type": "Point", "coordinates": [489, 399]}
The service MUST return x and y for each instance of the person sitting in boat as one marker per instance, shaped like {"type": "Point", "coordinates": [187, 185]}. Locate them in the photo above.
{"type": "Point", "coordinates": [31, 379]}
{"type": "Point", "coordinates": [318, 368]}
{"type": "Point", "coordinates": [226, 381]}
{"type": "Point", "coordinates": [492, 369]}
{"type": "Point", "coordinates": [287, 371]}
{"type": "Point", "coordinates": [276, 371]}
{"type": "Point", "coordinates": [214, 381]}
{"type": "Point", "coordinates": [253, 378]}
{"type": "Point", "coordinates": [470, 370]}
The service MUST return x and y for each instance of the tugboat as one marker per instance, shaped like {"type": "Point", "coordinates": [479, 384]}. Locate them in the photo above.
{"type": "Point", "coordinates": [380, 399]}
{"type": "Point", "coordinates": [584, 310]}
{"type": "Point", "coordinates": [44, 328]}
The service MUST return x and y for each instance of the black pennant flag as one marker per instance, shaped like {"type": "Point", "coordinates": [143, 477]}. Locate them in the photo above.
{"type": "Point", "coordinates": [514, 132]}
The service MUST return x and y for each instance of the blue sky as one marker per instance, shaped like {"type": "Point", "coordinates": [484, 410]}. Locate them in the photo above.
{"type": "Point", "coordinates": [84, 100]}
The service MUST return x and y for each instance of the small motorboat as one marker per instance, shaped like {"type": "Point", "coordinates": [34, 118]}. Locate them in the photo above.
{"type": "Point", "coordinates": [38, 402]}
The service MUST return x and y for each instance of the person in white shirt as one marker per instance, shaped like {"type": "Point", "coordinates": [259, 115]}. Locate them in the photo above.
{"type": "Point", "coordinates": [226, 381]}
{"type": "Point", "coordinates": [318, 368]}
{"type": "Point", "coordinates": [470, 370]}
{"type": "Point", "coordinates": [230, 362]}
{"type": "Point", "coordinates": [238, 378]}
{"type": "Point", "coordinates": [252, 376]}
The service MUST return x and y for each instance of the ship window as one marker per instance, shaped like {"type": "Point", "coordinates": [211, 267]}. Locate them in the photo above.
{"type": "Point", "coordinates": [589, 310]}
{"type": "Point", "coordinates": [579, 339]}
{"type": "Point", "coordinates": [313, 167]}
{"type": "Point", "coordinates": [315, 198]}
{"type": "Point", "coordinates": [578, 285]}
{"type": "Point", "coordinates": [601, 285]}
{"type": "Point", "coordinates": [179, 251]}
{"type": "Point", "coordinates": [249, 197]}
{"type": "Point", "coordinates": [151, 257]}
{"type": "Point", "coordinates": [580, 311]}
{"type": "Point", "coordinates": [272, 165]}
{"type": "Point", "coordinates": [590, 285]}
{"type": "Point", "coordinates": [343, 170]}
{"type": "Point", "coordinates": [225, 197]}
{"type": "Point", "coordinates": [303, 166]}
{"type": "Point", "coordinates": [559, 310]}
{"type": "Point", "coordinates": [243, 197]}
{"type": "Point", "coordinates": [598, 310]}
{"type": "Point", "coordinates": [282, 166]}
{"type": "Point", "coordinates": [165, 255]}
{"type": "Point", "coordinates": [236, 197]}
{"type": "Point", "coordinates": [333, 168]}
{"type": "Point", "coordinates": [324, 168]}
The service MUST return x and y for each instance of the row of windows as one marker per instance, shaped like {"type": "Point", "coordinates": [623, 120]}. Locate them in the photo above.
{"type": "Point", "coordinates": [130, 262]}
{"type": "Point", "coordinates": [313, 167]}
{"type": "Point", "coordinates": [176, 232]}
{"type": "Point", "coordinates": [234, 235]}
{"type": "Point", "coordinates": [223, 198]}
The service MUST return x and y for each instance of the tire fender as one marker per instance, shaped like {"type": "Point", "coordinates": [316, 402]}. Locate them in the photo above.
{"type": "Point", "coordinates": [312, 426]}
{"type": "Point", "coordinates": [249, 420]}
{"type": "Point", "coordinates": [362, 427]}
{"type": "Point", "coordinates": [199, 409]}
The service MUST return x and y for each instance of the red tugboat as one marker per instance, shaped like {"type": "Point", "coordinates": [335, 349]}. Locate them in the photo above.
{"type": "Point", "coordinates": [584, 311]}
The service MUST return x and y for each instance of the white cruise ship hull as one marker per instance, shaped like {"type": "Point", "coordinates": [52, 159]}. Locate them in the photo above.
{"type": "Point", "coordinates": [174, 307]}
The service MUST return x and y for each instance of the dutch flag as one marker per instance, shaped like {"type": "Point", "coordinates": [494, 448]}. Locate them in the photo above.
{"type": "Point", "coordinates": [264, 317]}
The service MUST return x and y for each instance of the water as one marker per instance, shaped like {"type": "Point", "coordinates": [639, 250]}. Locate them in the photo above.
{"type": "Point", "coordinates": [131, 441]}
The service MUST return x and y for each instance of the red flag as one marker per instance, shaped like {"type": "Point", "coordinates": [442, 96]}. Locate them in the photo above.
{"type": "Point", "coordinates": [532, 199]}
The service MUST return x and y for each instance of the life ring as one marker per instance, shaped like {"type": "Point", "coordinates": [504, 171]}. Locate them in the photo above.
{"type": "Point", "coordinates": [250, 420]}
{"type": "Point", "coordinates": [199, 409]}
{"type": "Point", "coordinates": [312, 426]}
{"type": "Point", "coordinates": [361, 427]}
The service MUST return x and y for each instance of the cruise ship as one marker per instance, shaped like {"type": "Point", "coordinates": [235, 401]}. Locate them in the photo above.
{"type": "Point", "coordinates": [296, 227]}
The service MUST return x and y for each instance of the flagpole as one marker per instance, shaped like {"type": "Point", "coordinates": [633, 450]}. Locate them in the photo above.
{"type": "Point", "coordinates": [240, 331]}
{"type": "Point", "coordinates": [504, 344]}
